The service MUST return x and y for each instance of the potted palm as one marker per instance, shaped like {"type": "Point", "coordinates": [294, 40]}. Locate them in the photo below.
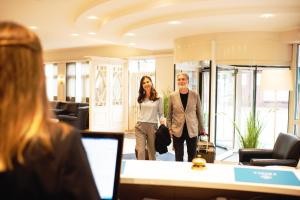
{"type": "Point", "coordinates": [254, 127]}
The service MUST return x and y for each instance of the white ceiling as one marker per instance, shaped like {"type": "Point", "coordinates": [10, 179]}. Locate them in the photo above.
{"type": "Point", "coordinates": [56, 20]}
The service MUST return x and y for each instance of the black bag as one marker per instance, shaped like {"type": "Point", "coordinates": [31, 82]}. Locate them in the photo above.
{"type": "Point", "coordinates": [162, 139]}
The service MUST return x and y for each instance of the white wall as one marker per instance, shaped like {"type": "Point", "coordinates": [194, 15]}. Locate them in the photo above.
{"type": "Point", "coordinates": [244, 48]}
{"type": "Point", "coordinates": [111, 51]}
{"type": "Point", "coordinates": [164, 74]}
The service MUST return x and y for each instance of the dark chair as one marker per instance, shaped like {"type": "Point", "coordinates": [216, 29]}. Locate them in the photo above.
{"type": "Point", "coordinates": [70, 115]}
{"type": "Point", "coordinates": [75, 114]}
{"type": "Point", "coordinates": [286, 151]}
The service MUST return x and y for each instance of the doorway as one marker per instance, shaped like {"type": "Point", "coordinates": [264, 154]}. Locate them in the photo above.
{"type": "Point", "coordinates": [107, 95]}
{"type": "Point", "coordinates": [235, 100]}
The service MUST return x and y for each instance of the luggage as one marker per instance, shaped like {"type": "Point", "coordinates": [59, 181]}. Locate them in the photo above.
{"type": "Point", "coordinates": [206, 150]}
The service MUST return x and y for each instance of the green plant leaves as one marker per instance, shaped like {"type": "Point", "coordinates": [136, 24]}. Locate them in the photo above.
{"type": "Point", "coordinates": [166, 102]}
{"type": "Point", "coordinates": [253, 130]}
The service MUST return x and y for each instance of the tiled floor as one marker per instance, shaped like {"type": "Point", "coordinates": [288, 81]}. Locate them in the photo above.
{"type": "Point", "coordinates": [129, 145]}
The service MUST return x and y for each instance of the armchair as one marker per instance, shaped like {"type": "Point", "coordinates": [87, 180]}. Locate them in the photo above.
{"type": "Point", "coordinates": [286, 151]}
{"type": "Point", "coordinates": [75, 114]}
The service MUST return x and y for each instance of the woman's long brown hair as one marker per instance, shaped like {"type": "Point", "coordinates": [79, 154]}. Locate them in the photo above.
{"type": "Point", "coordinates": [24, 111]}
{"type": "Point", "coordinates": [142, 92]}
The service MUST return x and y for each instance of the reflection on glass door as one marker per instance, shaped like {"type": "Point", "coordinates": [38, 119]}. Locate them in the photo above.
{"type": "Point", "coordinates": [244, 99]}
{"type": "Point", "coordinates": [225, 107]}
{"type": "Point", "coordinates": [239, 92]}
{"type": "Point", "coordinates": [273, 106]}
{"type": "Point", "coordinates": [234, 103]}
{"type": "Point", "coordinates": [205, 94]}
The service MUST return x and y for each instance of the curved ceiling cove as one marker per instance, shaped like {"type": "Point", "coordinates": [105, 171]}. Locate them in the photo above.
{"type": "Point", "coordinates": [147, 24]}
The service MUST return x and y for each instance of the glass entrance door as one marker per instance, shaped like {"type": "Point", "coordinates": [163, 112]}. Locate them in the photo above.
{"type": "Point", "coordinates": [235, 99]}
{"type": "Point", "coordinates": [225, 107]}
{"type": "Point", "coordinates": [205, 94]}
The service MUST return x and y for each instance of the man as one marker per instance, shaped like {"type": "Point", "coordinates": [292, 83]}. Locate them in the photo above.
{"type": "Point", "coordinates": [185, 120]}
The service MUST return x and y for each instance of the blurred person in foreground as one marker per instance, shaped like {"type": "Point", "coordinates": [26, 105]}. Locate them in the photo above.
{"type": "Point", "coordinates": [39, 159]}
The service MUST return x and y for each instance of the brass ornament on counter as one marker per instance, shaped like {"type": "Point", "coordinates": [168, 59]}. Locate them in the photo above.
{"type": "Point", "coordinates": [198, 162]}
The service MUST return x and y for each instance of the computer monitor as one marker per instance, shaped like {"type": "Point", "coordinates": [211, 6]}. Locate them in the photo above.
{"type": "Point", "coordinates": [104, 152]}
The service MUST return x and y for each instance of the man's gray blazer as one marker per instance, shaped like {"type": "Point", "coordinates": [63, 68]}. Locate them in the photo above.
{"type": "Point", "coordinates": [192, 115]}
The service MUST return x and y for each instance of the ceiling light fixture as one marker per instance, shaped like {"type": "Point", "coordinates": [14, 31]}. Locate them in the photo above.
{"type": "Point", "coordinates": [130, 34]}
{"type": "Point", "coordinates": [74, 34]}
{"type": "Point", "coordinates": [92, 17]}
{"type": "Point", "coordinates": [92, 33]}
{"type": "Point", "coordinates": [163, 4]}
{"type": "Point", "coordinates": [131, 44]}
{"type": "Point", "coordinates": [174, 22]}
{"type": "Point", "coordinates": [32, 27]}
{"type": "Point", "coordinates": [267, 15]}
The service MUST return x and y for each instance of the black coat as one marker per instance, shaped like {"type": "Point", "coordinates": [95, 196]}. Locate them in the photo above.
{"type": "Point", "coordinates": [162, 140]}
{"type": "Point", "coordinates": [63, 173]}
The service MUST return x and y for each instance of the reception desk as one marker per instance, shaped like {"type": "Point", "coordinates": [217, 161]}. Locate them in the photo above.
{"type": "Point", "coordinates": [176, 180]}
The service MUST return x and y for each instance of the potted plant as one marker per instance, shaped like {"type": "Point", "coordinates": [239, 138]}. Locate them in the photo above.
{"type": "Point", "coordinates": [166, 96]}
{"type": "Point", "coordinates": [250, 139]}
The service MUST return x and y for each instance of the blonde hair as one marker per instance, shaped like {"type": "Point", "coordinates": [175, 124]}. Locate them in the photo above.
{"type": "Point", "coordinates": [23, 101]}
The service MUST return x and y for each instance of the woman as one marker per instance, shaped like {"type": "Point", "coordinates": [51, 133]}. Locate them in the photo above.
{"type": "Point", "coordinates": [150, 109]}
{"type": "Point", "coordinates": [39, 159]}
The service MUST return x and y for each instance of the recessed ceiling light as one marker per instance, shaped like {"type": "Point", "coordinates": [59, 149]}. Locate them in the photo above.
{"type": "Point", "coordinates": [130, 34]}
{"type": "Point", "coordinates": [32, 27]}
{"type": "Point", "coordinates": [174, 22]}
{"type": "Point", "coordinates": [131, 44]}
{"type": "Point", "coordinates": [163, 4]}
{"type": "Point", "coordinates": [267, 15]}
{"type": "Point", "coordinates": [74, 34]}
{"type": "Point", "coordinates": [92, 33]}
{"type": "Point", "coordinates": [92, 17]}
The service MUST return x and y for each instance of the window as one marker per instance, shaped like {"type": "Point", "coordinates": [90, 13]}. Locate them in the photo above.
{"type": "Point", "coordinates": [51, 81]}
{"type": "Point", "coordinates": [82, 92]}
{"type": "Point", "coordinates": [297, 92]}
{"type": "Point", "coordinates": [85, 82]}
{"type": "Point", "coordinates": [239, 92]}
{"type": "Point", "coordinates": [273, 108]}
{"type": "Point", "coordinates": [78, 81]}
{"type": "Point", "coordinates": [71, 81]}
